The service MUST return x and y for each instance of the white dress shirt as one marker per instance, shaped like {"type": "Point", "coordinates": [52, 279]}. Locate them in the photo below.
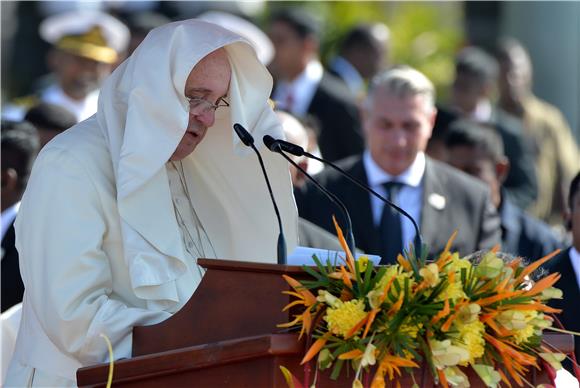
{"type": "Point", "coordinates": [302, 89]}
{"type": "Point", "coordinates": [8, 217]}
{"type": "Point", "coordinates": [409, 197]}
{"type": "Point", "coordinates": [354, 81]}
{"type": "Point", "coordinates": [575, 261]}
{"type": "Point", "coordinates": [81, 109]}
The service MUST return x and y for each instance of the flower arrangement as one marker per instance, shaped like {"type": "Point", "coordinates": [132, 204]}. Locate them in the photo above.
{"type": "Point", "coordinates": [483, 313]}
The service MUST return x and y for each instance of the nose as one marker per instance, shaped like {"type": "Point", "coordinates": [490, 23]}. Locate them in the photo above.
{"type": "Point", "coordinates": [207, 118]}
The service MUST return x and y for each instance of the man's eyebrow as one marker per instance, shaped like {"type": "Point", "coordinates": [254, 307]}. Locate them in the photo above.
{"type": "Point", "coordinates": [201, 91]}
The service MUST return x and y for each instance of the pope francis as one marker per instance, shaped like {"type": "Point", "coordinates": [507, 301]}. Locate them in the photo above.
{"type": "Point", "coordinates": [119, 207]}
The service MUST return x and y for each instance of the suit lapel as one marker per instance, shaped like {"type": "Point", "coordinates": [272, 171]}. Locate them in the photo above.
{"type": "Point", "coordinates": [433, 207]}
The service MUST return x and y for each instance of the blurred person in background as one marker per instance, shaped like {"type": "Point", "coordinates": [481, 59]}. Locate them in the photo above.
{"type": "Point", "coordinates": [309, 234]}
{"type": "Point", "coordinates": [49, 120]}
{"type": "Point", "coordinates": [303, 87]}
{"type": "Point", "coordinates": [86, 46]}
{"type": "Point", "coordinates": [139, 24]}
{"type": "Point", "coordinates": [471, 93]}
{"type": "Point", "coordinates": [363, 52]}
{"type": "Point", "coordinates": [398, 119]}
{"type": "Point", "coordinates": [477, 150]}
{"type": "Point", "coordinates": [555, 152]}
{"type": "Point", "coordinates": [20, 145]}
{"type": "Point", "coordinates": [567, 263]}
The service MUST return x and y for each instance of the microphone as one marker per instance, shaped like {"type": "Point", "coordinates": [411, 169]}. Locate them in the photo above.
{"type": "Point", "coordinates": [291, 148]}
{"type": "Point", "coordinates": [248, 141]}
{"type": "Point", "coordinates": [274, 146]}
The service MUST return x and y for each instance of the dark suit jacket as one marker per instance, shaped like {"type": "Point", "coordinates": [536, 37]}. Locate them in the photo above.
{"type": "Point", "coordinates": [337, 114]}
{"type": "Point", "coordinates": [570, 302]}
{"type": "Point", "coordinates": [467, 208]}
{"type": "Point", "coordinates": [12, 286]}
{"type": "Point", "coordinates": [524, 235]}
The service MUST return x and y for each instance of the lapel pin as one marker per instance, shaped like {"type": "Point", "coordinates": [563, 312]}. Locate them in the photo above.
{"type": "Point", "coordinates": [437, 201]}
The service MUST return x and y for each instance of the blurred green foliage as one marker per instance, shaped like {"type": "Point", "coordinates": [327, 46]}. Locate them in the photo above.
{"type": "Point", "coordinates": [425, 35]}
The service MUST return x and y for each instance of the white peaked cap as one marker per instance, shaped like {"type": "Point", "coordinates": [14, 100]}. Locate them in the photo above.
{"type": "Point", "coordinates": [116, 34]}
{"type": "Point", "coordinates": [262, 44]}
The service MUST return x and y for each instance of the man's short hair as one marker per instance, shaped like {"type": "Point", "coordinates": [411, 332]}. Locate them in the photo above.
{"type": "Point", "coordinates": [477, 63]}
{"type": "Point", "coordinates": [365, 35]}
{"type": "Point", "coordinates": [464, 132]}
{"type": "Point", "coordinates": [403, 81]}
{"type": "Point", "coordinates": [20, 145]}
{"type": "Point", "coordinates": [51, 117]}
{"type": "Point", "coordinates": [302, 22]}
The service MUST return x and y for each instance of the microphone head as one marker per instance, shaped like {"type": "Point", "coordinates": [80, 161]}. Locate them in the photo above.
{"type": "Point", "coordinates": [244, 135]}
{"type": "Point", "coordinates": [271, 143]}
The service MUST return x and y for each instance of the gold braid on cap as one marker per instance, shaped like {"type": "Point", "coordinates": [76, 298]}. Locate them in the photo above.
{"type": "Point", "coordinates": [92, 44]}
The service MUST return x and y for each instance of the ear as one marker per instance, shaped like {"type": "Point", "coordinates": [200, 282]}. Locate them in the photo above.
{"type": "Point", "coordinates": [9, 179]}
{"type": "Point", "coordinates": [53, 58]}
{"type": "Point", "coordinates": [502, 168]}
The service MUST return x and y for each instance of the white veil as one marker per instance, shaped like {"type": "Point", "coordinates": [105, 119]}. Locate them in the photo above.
{"type": "Point", "coordinates": [143, 115]}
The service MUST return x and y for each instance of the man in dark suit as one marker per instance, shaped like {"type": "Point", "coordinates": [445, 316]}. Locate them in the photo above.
{"type": "Point", "coordinates": [478, 150]}
{"type": "Point", "coordinates": [303, 87]}
{"type": "Point", "coordinates": [398, 119]}
{"type": "Point", "coordinates": [20, 144]}
{"type": "Point", "coordinates": [567, 263]}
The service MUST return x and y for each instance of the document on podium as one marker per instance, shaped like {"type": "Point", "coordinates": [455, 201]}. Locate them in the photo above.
{"type": "Point", "coordinates": [303, 256]}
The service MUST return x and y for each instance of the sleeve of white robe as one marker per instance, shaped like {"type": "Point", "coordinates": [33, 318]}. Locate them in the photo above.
{"type": "Point", "coordinates": [62, 228]}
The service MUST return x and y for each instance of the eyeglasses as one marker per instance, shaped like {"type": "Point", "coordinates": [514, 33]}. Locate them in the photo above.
{"type": "Point", "coordinates": [199, 105]}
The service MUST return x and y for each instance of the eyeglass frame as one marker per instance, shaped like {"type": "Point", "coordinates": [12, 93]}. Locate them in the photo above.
{"type": "Point", "coordinates": [221, 102]}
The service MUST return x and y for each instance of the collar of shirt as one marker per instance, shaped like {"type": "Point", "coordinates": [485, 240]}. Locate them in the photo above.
{"type": "Point", "coordinates": [8, 217]}
{"type": "Point", "coordinates": [412, 176]}
{"type": "Point", "coordinates": [483, 112]}
{"type": "Point", "coordinates": [575, 261]}
{"type": "Point", "coordinates": [409, 198]}
{"type": "Point", "coordinates": [302, 88]}
{"type": "Point", "coordinates": [81, 109]}
{"type": "Point", "coordinates": [349, 74]}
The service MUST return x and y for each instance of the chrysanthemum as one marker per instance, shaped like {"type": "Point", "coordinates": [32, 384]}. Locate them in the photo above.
{"type": "Point", "coordinates": [345, 316]}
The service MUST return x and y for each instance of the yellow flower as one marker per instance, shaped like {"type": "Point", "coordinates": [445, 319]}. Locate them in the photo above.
{"type": "Point", "coordinates": [471, 338]}
{"type": "Point", "coordinates": [458, 264]}
{"type": "Point", "coordinates": [551, 293]}
{"type": "Point", "coordinates": [520, 322]}
{"type": "Point", "coordinates": [344, 316]}
{"type": "Point", "coordinates": [410, 330]}
{"type": "Point", "coordinates": [453, 292]}
{"type": "Point", "coordinates": [430, 274]}
{"type": "Point", "coordinates": [362, 263]}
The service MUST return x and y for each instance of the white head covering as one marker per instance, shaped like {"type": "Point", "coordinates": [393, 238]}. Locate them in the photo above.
{"type": "Point", "coordinates": [143, 114]}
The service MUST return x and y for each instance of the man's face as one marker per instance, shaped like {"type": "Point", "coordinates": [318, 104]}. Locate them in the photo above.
{"type": "Point", "coordinates": [397, 129]}
{"type": "Point", "coordinates": [467, 91]}
{"type": "Point", "coordinates": [208, 81]}
{"type": "Point", "coordinates": [78, 76]}
{"type": "Point", "coordinates": [474, 162]}
{"type": "Point", "coordinates": [291, 51]}
{"type": "Point", "coordinates": [515, 76]}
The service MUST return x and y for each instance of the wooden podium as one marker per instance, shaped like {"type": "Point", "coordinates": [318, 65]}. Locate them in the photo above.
{"type": "Point", "coordinates": [226, 336]}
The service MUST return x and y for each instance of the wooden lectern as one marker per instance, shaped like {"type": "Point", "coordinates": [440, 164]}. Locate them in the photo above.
{"type": "Point", "coordinates": [226, 336]}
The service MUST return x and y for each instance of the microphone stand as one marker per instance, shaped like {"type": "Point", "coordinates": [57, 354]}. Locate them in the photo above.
{"type": "Point", "coordinates": [248, 140]}
{"type": "Point", "coordinates": [349, 235]}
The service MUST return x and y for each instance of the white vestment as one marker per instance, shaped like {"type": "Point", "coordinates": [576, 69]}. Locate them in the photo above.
{"type": "Point", "coordinates": [100, 247]}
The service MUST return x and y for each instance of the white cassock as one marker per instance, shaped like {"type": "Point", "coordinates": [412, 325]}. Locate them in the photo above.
{"type": "Point", "coordinates": [100, 248]}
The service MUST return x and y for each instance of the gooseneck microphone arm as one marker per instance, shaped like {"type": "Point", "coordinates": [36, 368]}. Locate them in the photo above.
{"type": "Point", "coordinates": [248, 140]}
{"type": "Point", "coordinates": [333, 198]}
{"type": "Point", "coordinates": [299, 151]}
